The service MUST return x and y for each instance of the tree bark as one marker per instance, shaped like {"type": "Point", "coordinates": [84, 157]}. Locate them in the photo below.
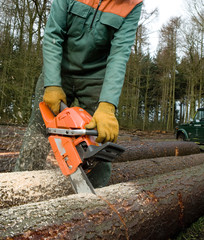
{"type": "Point", "coordinates": [144, 150]}
{"type": "Point", "coordinates": [134, 151]}
{"type": "Point", "coordinates": [7, 161]}
{"type": "Point", "coordinates": [127, 171]}
{"type": "Point", "coordinates": [24, 187]}
{"type": "Point", "coordinates": [152, 208]}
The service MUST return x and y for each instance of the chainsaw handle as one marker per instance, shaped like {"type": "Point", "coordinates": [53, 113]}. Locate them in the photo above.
{"type": "Point", "coordinates": [62, 106]}
{"type": "Point", "coordinates": [92, 132]}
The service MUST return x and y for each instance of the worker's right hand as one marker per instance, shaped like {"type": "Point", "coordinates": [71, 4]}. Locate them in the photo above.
{"type": "Point", "coordinates": [53, 95]}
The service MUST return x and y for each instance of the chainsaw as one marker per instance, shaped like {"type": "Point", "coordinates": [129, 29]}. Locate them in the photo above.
{"type": "Point", "coordinates": [74, 147]}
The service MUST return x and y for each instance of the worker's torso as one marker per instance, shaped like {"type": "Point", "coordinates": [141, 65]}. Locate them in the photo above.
{"type": "Point", "coordinates": [89, 34]}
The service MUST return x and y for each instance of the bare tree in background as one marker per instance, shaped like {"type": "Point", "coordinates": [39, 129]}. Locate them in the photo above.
{"type": "Point", "coordinates": [193, 59]}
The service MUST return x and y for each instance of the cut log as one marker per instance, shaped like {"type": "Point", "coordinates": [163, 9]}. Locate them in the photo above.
{"type": "Point", "coordinates": [152, 208]}
{"type": "Point", "coordinates": [134, 151]}
{"type": "Point", "coordinates": [126, 171]}
{"type": "Point", "coordinates": [11, 138]}
{"type": "Point", "coordinates": [23, 187]}
{"type": "Point", "coordinates": [7, 161]}
{"type": "Point", "coordinates": [144, 150]}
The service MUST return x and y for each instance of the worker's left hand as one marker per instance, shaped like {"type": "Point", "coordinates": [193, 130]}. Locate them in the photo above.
{"type": "Point", "coordinates": [106, 123]}
{"type": "Point", "coordinates": [53, 96]}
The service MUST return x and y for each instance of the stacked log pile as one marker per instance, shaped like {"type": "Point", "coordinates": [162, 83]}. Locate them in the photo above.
{"type": "Point", "coordinates": [24, 187]}
{"type": "Point", "coordinates": [155, 199]}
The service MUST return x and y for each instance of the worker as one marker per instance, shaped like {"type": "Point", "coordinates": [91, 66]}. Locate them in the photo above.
{"type": "Point", "coordinates": [86, 46]}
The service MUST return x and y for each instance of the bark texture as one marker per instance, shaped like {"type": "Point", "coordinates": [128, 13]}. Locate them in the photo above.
{"type": "Point", "coordinates": [126, 171]}
{"type": "Point", "coordinates": [145, 150]}
{"type": "Point", "coordinates": [23, 187]}
{"type": "Point", "coordinates": [134, 151]}
{"type": "Point", "coordinates": [7, 161]}
{"type": "Point", "coordinates": [152, 208]}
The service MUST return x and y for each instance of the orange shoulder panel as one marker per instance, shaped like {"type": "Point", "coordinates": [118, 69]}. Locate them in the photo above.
{"type": "Point", "coordinates": [118, 7]}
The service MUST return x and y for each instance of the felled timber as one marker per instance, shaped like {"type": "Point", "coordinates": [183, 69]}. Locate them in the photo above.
{"type": "Point", "coordinates": [11, 138]}
{"type": "Point", "coordinates": [134, 151]}
{"type": "Point", "coordinates": [151, 208]}
{"type": "Point", "coordinates": [7, 161]}
{"type": "Point", "coordinates": [23, 187]}
{"type": "Point", "coordinates": [127, 171]}
{"type": "Point", "coordinates": [144, 150]}
{"type": "Point", "coordinates": [32, 186]}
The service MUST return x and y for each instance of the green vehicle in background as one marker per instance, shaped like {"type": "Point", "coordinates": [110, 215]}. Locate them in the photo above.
{"type": "Point", "coordinates": [194, 130]}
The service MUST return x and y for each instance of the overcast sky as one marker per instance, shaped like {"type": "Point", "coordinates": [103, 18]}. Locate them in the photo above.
{"type": "Point", "coordinates": [167, 9]}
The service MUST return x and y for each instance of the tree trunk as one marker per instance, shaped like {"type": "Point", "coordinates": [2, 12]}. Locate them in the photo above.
{"type": "Point", "coordinates": [127, 171]}
{"type": "Point", "coordinates": [23, 187]}
{"type": "Point", "coordinates": [7, 161]}
{"type": "Point", "coordinates": [152, 208]}
{"type": "Point", "coordinates": [134, 151]}
{"type": "Point", "coordinates": [144, 150]}
{"type": "Point", "coordinates": [146, 101]}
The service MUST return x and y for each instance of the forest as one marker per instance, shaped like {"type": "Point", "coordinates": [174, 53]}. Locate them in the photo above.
{"type": "Point", "coordinates": [160, 89]}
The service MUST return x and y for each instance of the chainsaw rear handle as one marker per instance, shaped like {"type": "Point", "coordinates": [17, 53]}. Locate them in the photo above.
{"type": "Point", "coordinates": [91, 132]}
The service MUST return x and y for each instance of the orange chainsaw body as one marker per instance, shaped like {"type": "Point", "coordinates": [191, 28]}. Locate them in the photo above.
{"type": "Point", "coordinates": [64, 148]}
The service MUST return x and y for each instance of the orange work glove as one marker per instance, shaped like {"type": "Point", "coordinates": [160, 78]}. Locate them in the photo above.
{"type": "Point", "coordinates": [53, 96]}
{"type": "Point", "coordinates": [106, 123]}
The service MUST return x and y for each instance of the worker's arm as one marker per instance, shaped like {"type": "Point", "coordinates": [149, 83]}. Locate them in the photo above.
{"type": "Point", "coordinates": [104, 118]}
{"type": "Point", "coordinates": [119, 54]}
{"type": "Point", "coordinates": [55, 33]}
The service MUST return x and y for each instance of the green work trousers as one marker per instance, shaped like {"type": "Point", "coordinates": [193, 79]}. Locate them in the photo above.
{"type": "Point", "coordinates": [36, 147]}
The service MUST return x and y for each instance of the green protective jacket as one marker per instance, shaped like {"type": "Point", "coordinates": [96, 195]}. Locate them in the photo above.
{"type": "Point", "coordinates": [90, 39]}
